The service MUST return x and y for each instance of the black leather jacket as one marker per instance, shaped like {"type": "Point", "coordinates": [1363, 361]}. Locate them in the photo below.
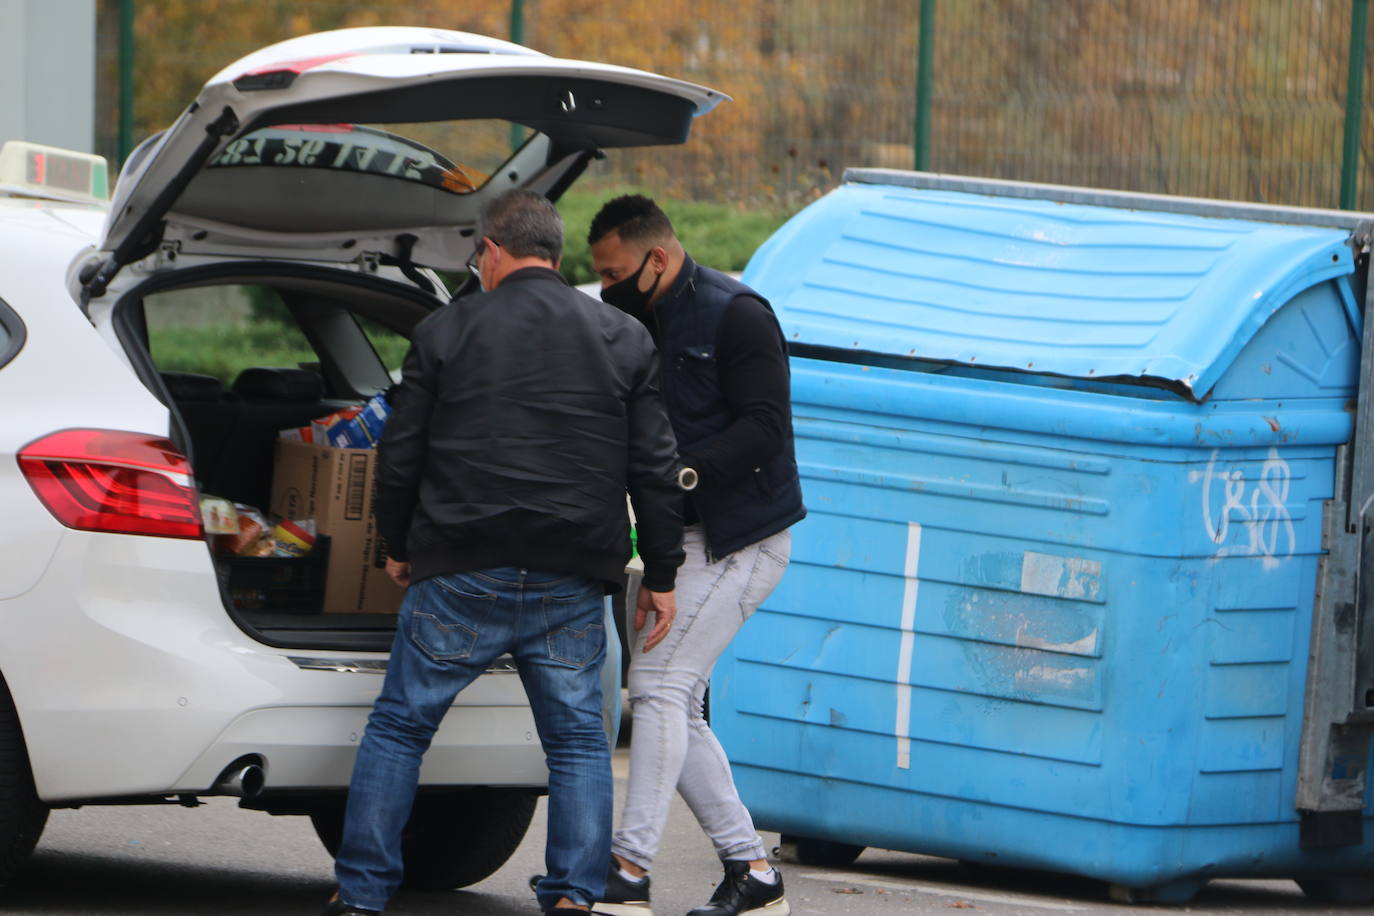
{"type": "Point", "coordinates": [523, 416]}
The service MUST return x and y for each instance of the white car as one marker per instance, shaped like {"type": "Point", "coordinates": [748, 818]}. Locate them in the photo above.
{"type": "Point", "coordinates": [130, 676]}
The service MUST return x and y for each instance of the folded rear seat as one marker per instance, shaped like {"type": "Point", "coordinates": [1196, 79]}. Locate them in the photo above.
{"type": "Point", "coordinates": [209, 412]}
{"type": "Point", "coordinates": [268, 401]}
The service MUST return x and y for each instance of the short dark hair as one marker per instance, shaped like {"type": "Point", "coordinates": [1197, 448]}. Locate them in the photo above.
{"type": "Point", "coordinates": [634, 217]}
{"type": "Point", "coordinates": [524, 223]}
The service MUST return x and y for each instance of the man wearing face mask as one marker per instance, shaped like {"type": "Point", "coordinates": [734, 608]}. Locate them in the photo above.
{"type": "Point", "coordinates": [727, 387]}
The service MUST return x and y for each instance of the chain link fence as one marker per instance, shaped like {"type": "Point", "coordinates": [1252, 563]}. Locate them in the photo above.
{"type": "Point", "coordinates": [1239, 99]}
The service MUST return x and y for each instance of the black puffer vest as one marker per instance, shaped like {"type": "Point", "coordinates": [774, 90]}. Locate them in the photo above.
{"type": "Point", "coordinates": [739, 512]}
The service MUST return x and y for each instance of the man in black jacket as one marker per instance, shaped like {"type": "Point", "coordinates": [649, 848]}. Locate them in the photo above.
{"type": "Point", "coordinates": [727, 386]}
{"type": "Point", "coordinates": [523, 416]}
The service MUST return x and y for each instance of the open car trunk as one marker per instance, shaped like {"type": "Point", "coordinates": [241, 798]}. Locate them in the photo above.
{"type": "Point", "coordinates": [351, 329]}
{"type": "Point", "coordinates": [331, 174]}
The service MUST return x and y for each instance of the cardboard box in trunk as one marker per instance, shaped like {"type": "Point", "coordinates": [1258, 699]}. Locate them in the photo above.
{"type": "Point", "coordinates": [334, 487]}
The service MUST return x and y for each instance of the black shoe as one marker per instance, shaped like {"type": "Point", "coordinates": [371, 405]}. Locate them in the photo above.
{"type": "Point", "coordinates": [741, 892]}
{"type": "Point", "coordinates": [624, 897]}
{"type": "Point", "coordinates": [336, 907]}
{"type": "Point", "coordinates": [621, 897]}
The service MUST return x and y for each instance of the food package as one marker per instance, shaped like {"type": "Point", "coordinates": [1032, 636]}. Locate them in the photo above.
{"type": "Point", "coordinates": [324, 429]}
{"type": "Point", "coordinates": [373, 418]}
{"type": "Point", "coordinates": [248, 540]}
{"type": "Point", "coordinates": [352, 427]}
{"type": "Point", "coordinates": [218, 515]}
{"type": "Point", "coordinates": [293, 538]}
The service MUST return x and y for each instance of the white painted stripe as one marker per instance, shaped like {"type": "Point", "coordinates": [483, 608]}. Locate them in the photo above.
{"type": "Point", "coordinates": [943, 890]}
{"type": "Point", "coordinates": [903, 725]}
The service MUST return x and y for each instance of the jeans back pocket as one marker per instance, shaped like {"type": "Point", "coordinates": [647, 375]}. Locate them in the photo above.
{"type": "Point", "coordinates": [575, 633]}
{"type": "Point", "coordinates": [448, 618]}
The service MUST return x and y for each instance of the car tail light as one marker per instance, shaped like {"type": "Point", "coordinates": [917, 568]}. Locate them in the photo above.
{"type": "Point", "coordinates": [107, 480]}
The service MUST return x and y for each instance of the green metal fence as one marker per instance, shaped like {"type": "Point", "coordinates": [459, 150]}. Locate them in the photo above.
{"type": "Point", "coordinates": [1241, 99]}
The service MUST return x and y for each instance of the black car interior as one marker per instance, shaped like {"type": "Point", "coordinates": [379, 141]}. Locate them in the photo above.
{"type": "Point", "coordinates": [234, 430]}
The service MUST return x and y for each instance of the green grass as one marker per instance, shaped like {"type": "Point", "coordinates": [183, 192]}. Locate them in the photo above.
{"type": "Point", "coordinates": [717, 235]}
{"type": "Point", "coordinates": [391, 347]}
{"type": "Point", "coordinates": [225, 350]}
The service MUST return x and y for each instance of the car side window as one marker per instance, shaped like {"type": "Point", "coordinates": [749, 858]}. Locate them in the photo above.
{"type": "Point", "coordinates": [11, 333]}
{"type": "Point", "coordinates": [391, 346]}
{"type": "Point", "coordinates": [222, 330]}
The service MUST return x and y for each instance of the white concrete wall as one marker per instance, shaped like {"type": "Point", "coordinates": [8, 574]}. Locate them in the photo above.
{"type": "Point", "coordinates": [47, 72]}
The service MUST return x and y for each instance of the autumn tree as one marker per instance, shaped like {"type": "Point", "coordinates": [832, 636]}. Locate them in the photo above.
{"type": "Point", "coordinates": [1225, 98]}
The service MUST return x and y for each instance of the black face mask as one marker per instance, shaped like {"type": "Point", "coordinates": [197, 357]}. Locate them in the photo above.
{"type": "Point", "coordinates": [625, 294]}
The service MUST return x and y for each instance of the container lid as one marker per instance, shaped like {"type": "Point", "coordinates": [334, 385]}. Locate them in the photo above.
{"type": "Point", "coordinates": [1035, 285]}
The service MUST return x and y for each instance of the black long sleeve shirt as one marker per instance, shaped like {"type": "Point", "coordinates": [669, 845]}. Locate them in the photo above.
{"type": "Point", "coordinates": [752, 368]}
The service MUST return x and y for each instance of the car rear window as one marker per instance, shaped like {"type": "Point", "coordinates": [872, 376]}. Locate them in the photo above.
{"type": "Point", "coordinates": [222, 330]}
{"type": "Point", "coordinates": [11, 333]}
{"type": "Point", "coordinates": [417, 153]}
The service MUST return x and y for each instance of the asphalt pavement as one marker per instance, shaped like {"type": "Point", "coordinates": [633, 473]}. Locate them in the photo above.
{"type": "Point", "coordinates": [219, 859]}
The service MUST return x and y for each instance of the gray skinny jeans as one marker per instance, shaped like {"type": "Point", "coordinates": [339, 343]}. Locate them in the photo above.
{"type": "Point", "coordinates": [672, 747]}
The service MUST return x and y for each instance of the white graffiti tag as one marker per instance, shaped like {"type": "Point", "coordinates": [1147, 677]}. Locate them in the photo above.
{"type": "Point", "coordinates": [1261, 506]}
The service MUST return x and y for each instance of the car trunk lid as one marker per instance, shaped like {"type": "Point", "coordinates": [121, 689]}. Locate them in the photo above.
{"type": "Point", "coordinates": [228, 175]}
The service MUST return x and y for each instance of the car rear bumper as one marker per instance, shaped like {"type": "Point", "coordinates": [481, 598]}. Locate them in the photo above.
{"type": "Point", "coordinates": [304, 748]}
{"type": "Point", "coordinates": [131, 680]}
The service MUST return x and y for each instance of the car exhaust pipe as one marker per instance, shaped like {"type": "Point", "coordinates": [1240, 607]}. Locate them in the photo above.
{"type": "Point", "coordinates": [240, 781]}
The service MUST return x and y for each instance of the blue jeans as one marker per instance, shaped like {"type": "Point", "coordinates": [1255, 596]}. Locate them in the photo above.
{"type": "Point", "coordinates": [450, 630]}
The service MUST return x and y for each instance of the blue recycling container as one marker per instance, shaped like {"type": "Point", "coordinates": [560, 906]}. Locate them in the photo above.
{"type": "Point", "coordinates": [1065, 468]}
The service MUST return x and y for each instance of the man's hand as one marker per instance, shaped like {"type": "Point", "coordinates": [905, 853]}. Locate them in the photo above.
{"type": "Point", "coordinates": [399, 572]}
{"type": "Point", "coordinates": [663, 605]}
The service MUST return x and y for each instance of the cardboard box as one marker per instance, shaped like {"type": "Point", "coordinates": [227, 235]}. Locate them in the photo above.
{"type": "Point", "coordinates": [334, 486]}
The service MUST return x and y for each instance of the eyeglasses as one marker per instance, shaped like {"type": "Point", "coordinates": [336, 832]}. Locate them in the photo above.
{"type": "Point", "coordinates": [471, 264]}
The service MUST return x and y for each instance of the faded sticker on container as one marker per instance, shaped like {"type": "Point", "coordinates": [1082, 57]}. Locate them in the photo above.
{"type": "Point", "coordinates": [1061, 577]}
{"type": "Point", "coordinates": [904, 656]}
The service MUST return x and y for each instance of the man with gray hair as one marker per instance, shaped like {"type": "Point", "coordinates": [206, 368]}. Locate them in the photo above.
{"type": "Point", "coordinates": [524, 415]}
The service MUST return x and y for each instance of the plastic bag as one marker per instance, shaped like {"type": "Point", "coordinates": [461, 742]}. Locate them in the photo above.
{"type": "Point", "coordinates": [248, 540]}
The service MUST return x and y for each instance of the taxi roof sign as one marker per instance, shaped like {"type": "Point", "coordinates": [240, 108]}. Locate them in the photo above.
{"type": "Point", "coordinates": [34, 170]}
